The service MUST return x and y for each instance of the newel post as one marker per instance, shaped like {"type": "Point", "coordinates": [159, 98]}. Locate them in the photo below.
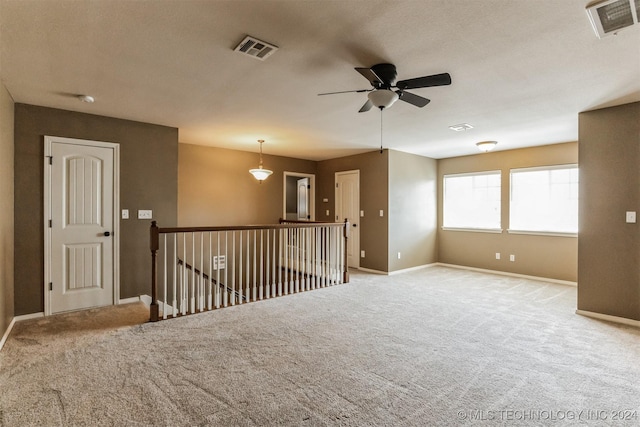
{"type": "Point", "coordinates": [155, 245]}
{"type": "Point", "coordinates": [345, 273]}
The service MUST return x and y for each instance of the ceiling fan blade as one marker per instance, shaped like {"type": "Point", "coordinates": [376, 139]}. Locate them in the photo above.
{"type": "Point", "coordinates": [426, 81]}
{"type": "Point", "coordinates": [346, 91]}
{"type": "Point", "coordinates": [413, 99]}
{"type": "Point", "coordinates": [370, 75]}
{"type": "Point", "coordinates": [366, 107]}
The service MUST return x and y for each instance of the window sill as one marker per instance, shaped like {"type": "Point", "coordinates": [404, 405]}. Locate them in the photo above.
{"type": "Point", "coordinates": [474, 230]}
{"type": "Point", "coordinates": [543, 233]}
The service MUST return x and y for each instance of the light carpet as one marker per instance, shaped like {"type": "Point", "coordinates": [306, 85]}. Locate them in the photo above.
{"type": "Point", "coordinates": [432, 347]}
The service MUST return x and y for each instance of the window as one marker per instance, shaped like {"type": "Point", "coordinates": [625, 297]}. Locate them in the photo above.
{"type": "Point", "coordinates": [544, 199]}
{"type": "Point", "coordinates": [472, 201]}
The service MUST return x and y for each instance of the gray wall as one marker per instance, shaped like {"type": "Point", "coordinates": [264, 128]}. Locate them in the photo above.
{"type": "Point", "coordinates": [148, 180]}
{"type": "Point", "coordinates": [609, 248]}
{"type": "Point", "coordinates": [6, 210]}
{"type": "Point", "coordinates": [542, 256]}
{"type": "Point", "coordinates": [374, 195]}
{"type": "Point", "coordinates": [412, 211]}
{"type": "Point", "coordinates": [216, 188]}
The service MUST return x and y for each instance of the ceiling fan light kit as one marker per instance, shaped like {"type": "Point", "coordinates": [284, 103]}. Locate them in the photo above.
{"type": "Point", "coordinates": [260, 173]}
{"type": "Point", "coordinates": [383, 98]}
{"type": "Point", "coordinates": [485, 146]}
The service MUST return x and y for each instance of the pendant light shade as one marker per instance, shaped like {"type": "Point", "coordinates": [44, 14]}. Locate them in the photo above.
{"type": "Point", "coordinates": [260, 173]}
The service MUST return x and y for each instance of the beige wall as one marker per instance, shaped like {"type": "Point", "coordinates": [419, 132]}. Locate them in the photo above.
{"type": "Point", "coordinates": [216, 188]}
{"type": "Point", "coordinates": [412, 210]}
{"type": "Point", "coordinates": [6, 210]}
{"type": "Point", "coordinates": [374, 196]}
{"type": "Point", "coordinates": [148, 180]}
{"type": "Point", "coordinates": [609, 248]}
{"type": "Point", "coordinates": [542, 256]}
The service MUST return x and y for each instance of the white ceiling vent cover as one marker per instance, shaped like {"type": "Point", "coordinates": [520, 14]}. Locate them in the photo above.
{"type": "Point", "coordinates": [256, 48]}
{"type": "Point", "coordinates": [610, 16]}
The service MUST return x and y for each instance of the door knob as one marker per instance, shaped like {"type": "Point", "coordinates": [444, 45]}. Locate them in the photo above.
{"type": "Point", "coordinates": [107, 234]}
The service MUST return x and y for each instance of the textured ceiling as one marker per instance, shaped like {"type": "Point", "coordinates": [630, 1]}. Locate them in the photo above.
{"type": "Point", "coordinates": [521, 70]}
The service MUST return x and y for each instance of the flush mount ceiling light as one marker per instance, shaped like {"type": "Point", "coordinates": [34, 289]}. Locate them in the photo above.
{"type": "Point", "coordinates": [461, 127]}
{"type": "Point", "coordinates": [485, 146]}
{"type": "Point", "coordinates": [610, 16]}
{"type": "Point", "coordinates": [260, 173]}
{"type": "Point", "coordinates": [86, 98]}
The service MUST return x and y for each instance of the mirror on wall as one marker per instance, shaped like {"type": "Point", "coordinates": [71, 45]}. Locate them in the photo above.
{"type": "Point", "coordinates": [299, 196]}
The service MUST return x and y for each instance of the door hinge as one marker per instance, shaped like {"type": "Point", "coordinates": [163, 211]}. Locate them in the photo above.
{"type": "Point", "coordinates": [50, 223]}
{"type": "Point", "coordinates": [336, 185]}
{"type": "Point", "coordinates": [309, 186]}
{"type": "Point", "coordinates": [50, 286]}
{"type": "Point", "coordinates": [50, 160]}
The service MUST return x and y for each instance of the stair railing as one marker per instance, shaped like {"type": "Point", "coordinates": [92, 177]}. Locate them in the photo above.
{"type": "Point", "coordinates": [196, 269]}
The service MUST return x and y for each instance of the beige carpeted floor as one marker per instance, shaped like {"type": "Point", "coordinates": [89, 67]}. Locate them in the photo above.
{"type": "Point", "coordinates": [432, 347]}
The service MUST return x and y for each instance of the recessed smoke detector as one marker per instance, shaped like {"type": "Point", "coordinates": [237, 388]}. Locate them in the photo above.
{"type": "Point", "coordinates": [256, 48]}
{"type": "Point", "coordinates": [610, 16]}
{"type": "Point", "coordinates": [461, 127]}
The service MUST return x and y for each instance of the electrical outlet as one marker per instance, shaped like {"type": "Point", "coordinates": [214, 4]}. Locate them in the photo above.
{"type": "Point", "coordinates": [361, 254]}
{"type": "Point", "coordinates": [399, 255]}
{"type": "Point", "coordinates": [145, 214]}
{"type": "Point", "coordinates": [497, 255]}
{"type": "Point", "coordinates": [512, 258]}
{"type": "Point", "coordinates": [327, 212]}
{"type": "Point", "coordinates": [125, 213]}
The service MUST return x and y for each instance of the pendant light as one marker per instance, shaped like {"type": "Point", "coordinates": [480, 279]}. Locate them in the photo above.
{"type": "Point", "coordinates": [260, 173]}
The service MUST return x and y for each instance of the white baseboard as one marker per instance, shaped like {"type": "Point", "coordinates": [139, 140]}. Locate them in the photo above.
{"type": "Point", "coordinates": [28, 316]}
{"type": "Point", "coordinates": [146, 299]}
{"type": "Point", "coordinates": [129, 300]}
{"type": "Point", "coordinates": [406, 270]}
{"type": "Point", "coordinates": [369, 270]}
{"type": "Point", "coordinates": [7, 332]}
{"type": "Point", "coordinates": [609, 318]}
{"type": "Point", "coordinates": [506, 273]}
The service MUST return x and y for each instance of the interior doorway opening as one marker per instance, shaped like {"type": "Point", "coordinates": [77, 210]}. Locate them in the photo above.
{"type": "Point", "coordinates": [299, 196]}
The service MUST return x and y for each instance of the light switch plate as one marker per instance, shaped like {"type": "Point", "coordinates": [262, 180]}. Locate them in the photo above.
{"type": "Point", "coordinates": [381, 212]}
{"type": "Point", "coordinates": [145, 214]}
{"type": "Point", "coordinates": [125, 213]}
{"type": "Point", "coordinates": [631, 217]}
{"type": "Point", "coordinates": [361, 213]}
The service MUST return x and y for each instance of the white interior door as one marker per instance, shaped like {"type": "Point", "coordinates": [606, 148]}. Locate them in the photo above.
{"type": "Point", "coordinates": [303, 199]}
{"type": "Point", "coordinates": [348, 207]}
{"type": "Point", "coordinates": [82, 204]}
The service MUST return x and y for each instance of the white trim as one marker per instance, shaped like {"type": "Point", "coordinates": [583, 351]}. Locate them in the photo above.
{"type": "Point", "coordinates": [146, 300]}
{"type": "Point", "coordinates": [7, 332]}
{"type": "Point", "coordinates": [506, 273]}
{"type": "Point", "coordinates": [370, 270]}
{"type": "Point", "coordinates": [406, 270]}
{"type": "Point", "coordinates": [48, 140]}
{"type": "Point", "coordinates": [312, 195]}
{"type": "Point", "coordinates": [544, 233]}
{"type": "Point", "coordinates": [129, 300]}
{"type": "Point", "coordinates": [29, 316]}
{"type": "Point", "coordinates": [545, 168]}
{"type": "Point", "coordinates": [474, 230]}
{"type": "Point", "coordinates": [609, 318]}
{"type": "Point", "coordinates": [489, 172]}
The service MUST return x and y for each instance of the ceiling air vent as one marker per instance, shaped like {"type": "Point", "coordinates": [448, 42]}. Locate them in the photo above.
{"type": "Point", "coordinates": [256, 48]}
{"type": "Point", "coordinates": [610, 16]}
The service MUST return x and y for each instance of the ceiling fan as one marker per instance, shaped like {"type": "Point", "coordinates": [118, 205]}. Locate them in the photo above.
{"type": "Point", "coordinates": [383, 79]}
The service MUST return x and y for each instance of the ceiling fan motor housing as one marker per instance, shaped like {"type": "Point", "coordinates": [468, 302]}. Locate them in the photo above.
{"type": "Point", "coordinates": [387, 73]}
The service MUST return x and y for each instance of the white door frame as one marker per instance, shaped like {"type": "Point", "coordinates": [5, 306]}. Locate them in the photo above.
{"type": "Point", "coordinates": [312, 193]}
{"type": "Point", "coordinates": [357, 248]}
{"type": "Point", "coordinates": [48, 140]}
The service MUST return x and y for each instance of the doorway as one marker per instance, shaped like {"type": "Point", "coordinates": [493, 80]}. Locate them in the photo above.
{"type": "Point", "coordinates": [348, 207]}
{"type": "Point", "coordinates": [299, 197]}
{"type": "Point", "coordinates": [81, 227]}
